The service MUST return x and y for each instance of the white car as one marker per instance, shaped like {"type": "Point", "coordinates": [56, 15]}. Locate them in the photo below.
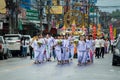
{"type": "Point", "coordinates": [28, 38]}
{"type": "Point", "coordinates": [3, 48]}
{"type": "Point", "coordinates": [13, 42]}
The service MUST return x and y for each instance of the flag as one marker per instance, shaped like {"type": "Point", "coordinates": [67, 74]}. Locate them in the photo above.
{"type": "Point", "coordinates": [64, 27]}
{"type": "Point", "coordinates": [20, 27]}
{"type": "Point", "coordinates": [114, 32]}
{"type": "Point", "coordinates": [111, 32]}
{"type": "Point", "coordinates": [2, 6]}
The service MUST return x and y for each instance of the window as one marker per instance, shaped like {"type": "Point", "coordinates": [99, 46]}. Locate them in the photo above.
{"type": "Point", "coordinates": [1, 40]}
{"type": "Point", "coordinates": [12, 38]}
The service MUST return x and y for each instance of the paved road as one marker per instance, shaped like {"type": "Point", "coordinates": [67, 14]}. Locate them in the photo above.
{"type": "Point", "coordinates": [24, 69]}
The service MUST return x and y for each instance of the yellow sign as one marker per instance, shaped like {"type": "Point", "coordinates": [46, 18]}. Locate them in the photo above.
{"type": "Point", "coordinates": [2, 6]}
{"type": "Point", "coordinates": [99, 30]}
{"type": "Point", "coordinates": [55, 10]}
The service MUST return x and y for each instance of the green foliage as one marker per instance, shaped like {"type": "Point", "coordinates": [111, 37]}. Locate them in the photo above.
{"type": "Point", "coordinates": [115, 14]}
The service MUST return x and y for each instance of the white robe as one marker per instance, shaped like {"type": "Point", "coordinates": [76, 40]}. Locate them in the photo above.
{"type": "Point", "coordinates": [81, 51]}
{"type": "Point", "coordinates": [36, 49]}
{"type": "Point", "coordinates": [71, 47]}
{"type": "Point", "coordinates": [66, 45]}
{"type": "Point", "coordinates": [58, 51]}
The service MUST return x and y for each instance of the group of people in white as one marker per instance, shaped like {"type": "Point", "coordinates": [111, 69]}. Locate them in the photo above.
{"type": "Point", "coordinates": [61, 48]}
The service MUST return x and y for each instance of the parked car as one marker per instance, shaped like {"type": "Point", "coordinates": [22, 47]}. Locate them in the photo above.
{"type": "Point", "coordinates": [3, 48]}
{"type": "Point", "coordinates": [13, 42]}
{"type": "Point", "coordinates": [116, 54]}
{"type": "Point", "coordinates": [28, 38]}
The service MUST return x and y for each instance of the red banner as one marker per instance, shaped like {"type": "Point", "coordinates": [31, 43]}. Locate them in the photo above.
{"type": "Point", "coordinates": [111, 32]}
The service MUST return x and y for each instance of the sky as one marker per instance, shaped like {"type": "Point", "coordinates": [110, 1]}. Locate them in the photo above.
{"type": "Point", "coordinates": [108, 3]}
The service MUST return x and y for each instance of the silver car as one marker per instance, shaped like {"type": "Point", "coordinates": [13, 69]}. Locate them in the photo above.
{"type": "Point", "coordinates": [13, 42]}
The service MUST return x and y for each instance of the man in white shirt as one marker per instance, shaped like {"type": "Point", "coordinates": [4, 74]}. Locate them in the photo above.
{"type": "Point", "coordinates": [102, 42]}
{"type": "Point", "coordinates": [97, 47]}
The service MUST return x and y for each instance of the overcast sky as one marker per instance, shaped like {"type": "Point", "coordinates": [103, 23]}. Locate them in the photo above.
{"type": "Point", "coordinates": [108, 3]}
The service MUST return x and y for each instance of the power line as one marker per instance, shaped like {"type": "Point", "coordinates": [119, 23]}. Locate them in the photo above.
{"type": "Point", "coordinates": [109, 6]}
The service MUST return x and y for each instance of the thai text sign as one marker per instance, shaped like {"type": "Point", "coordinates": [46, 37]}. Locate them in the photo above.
{"type": "Point", "coordinates": [55, 10]}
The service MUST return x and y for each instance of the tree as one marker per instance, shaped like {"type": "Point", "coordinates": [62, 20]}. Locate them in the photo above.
{"type": "Point", "coordinates": [115, 14]}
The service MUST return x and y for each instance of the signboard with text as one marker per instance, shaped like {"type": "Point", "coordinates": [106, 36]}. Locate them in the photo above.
{"type": "Point", "coordinates": [32, 15]}
{"type": "Point", "coordinates": [93, 1]}
{"type": "Point", "coordinates": [55, 10]}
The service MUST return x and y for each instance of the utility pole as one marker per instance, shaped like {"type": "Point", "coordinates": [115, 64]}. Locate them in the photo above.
{"type": "Point", "coordinates": [49, 17]}
{"type": "Point", "coordinates": [40, 9]}
{"type": "Point", "coordinates": [88, 8]}
{"type": "Point", "coordinates": [9, 6]}
{"type": "Point", "coordinates": [16, 17]}
{"type": "Point", "coordinates": [41, 15]}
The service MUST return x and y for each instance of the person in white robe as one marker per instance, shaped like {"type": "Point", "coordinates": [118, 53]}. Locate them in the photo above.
{"type": "Point", "coordinates": [92, 48]}
{"type": "Point", "coordinates": [82, 51]}
{"type": "Point", "coordinates": [71, 47]}
{"type": "Point", "coordinates": [58, 49]}
{"type": "Point", "coordinates": [48, 47]}
{"type": "Point", "coordinates": [36, 50]}
{"type": "Point", "coordinates": [66, 45]}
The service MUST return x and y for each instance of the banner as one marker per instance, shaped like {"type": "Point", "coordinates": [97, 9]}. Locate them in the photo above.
{"type": "Point", "coordinates": [111, 32]}
{"type": "Point", "coordinates": [99, 31]}
{"type": "Point", "coordinates": [115, 31]}
{"type": "Point", "coordinates": [55, 10]}
{"type": "Point", "coordinates": [2, 6]}
{"type": "Point", "coordinates": [20, 27]}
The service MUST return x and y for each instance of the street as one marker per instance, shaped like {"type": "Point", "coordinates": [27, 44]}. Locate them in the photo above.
{"type": "Point", "coordinates": [24, 69]}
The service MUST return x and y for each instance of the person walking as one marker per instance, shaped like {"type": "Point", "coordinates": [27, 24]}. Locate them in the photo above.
{"type": "Point", "coordinates": [48, 47]}
{"type": "Point", "coordinates": [102, 45]}
{"type": "Point", "coordinates": [57, 45]}
{"type": "Point", "coordinates": [31, 49]}
{"type": "Point", "coordinates": [71, 46]}
{"type": "Point", "coordinates": [66, 45]}
{"type": "Point", "coordinates": [35, 49]}
{"type": "Point", "coordinates": [82, 50]}
{"type": "Point", "coordinates": [97, 47]}
{"type": "Point", "coordinates": [107, 45]}
{"type": "Point", "coordinates": [92, 48]}
{"type": "Point", "coordinates": [24, 47]}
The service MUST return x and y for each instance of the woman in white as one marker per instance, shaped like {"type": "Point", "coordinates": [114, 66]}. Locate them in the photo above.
{"type": "Point", "coordinates": [66, 45]}
{"type": "Point", "coordinates": [88, 48]}
{"type": "Point", "coordinates": [81, 50]}
{"type": "Point", "coordinates": [58, 50]}
{"type": "Point", "coordinates": [37, 46]}
{"type": "Point", "coordinates": [36, 50]}
{"type": "Point", "coordinates": [92, 48]}
{"type": "Point", "coordinates": [48, 47]}
{"type": "Point", "coordinates": [107, 45]}
{"type": "Point", "coordinates": [71, 47]}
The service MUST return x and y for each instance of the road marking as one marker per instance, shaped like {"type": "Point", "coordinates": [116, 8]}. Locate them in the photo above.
{"type": "Point", "coordinates": [16, 67]}
{"type": "Point", "coordinates": [22, 66]}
